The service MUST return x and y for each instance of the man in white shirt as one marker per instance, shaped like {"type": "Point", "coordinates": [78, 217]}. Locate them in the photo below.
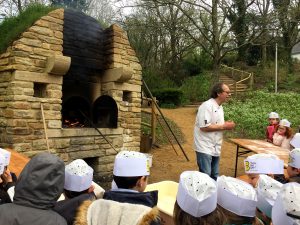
{"type": "Point", "coordinates": [208, 130]}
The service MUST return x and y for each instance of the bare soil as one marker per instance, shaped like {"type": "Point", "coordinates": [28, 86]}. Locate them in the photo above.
{"type": "Point", "coordinates": [167, 165]}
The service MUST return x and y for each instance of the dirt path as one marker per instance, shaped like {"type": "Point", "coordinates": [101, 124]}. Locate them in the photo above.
{"type": "Point", "coordinates": [168, 166]}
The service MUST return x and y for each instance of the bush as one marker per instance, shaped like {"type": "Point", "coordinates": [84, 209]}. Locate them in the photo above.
{"type": "Point", "coordinates": [251, 113]}
{"type": "Point", "coordinates": [168, 97]}
{"type": "Point", "coordinates": [11, 28]}
{"type": "Point", "coordinates": [195, 63]}
{"type": "Point", "coordinates": [196, 88]}
{"type": "Point", "coordinates": [151, 77]}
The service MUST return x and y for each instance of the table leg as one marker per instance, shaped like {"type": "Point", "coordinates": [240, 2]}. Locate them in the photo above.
{"type": "Point", "coordinates": [236, 159]}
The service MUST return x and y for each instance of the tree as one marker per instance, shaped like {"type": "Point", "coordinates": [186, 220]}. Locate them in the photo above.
{"type": "Point", "coordinates": [237, 16]}
{"type": "Point", "coordinates": [80, 5]}
{"type": "Point", "coordinates": [288, 14]}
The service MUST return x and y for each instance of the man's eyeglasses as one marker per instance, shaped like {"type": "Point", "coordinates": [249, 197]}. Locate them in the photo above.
{"type": "Point", "coordinates": [228, 92]}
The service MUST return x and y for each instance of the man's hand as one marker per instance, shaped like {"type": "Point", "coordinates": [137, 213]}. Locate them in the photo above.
{"type": "Point", "coordinates": [228, 125]}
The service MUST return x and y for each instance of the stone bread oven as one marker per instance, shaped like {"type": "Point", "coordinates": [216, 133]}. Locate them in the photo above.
{"type": "Point", "coordinates": [84, 76]}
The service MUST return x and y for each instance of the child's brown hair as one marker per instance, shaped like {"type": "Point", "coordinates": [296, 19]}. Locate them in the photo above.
{"type": "Point", "coordinates": [183, 218]}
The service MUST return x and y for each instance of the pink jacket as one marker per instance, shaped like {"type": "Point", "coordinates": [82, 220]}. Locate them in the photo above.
{"type": "Point", "coordinates": [281, 141]}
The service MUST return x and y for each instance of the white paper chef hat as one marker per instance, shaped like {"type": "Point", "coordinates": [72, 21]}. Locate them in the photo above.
{"type": "Point", "coordinates": [294, 158]}
{"type": "Point", "coordinates": [6, 155]}
{"type": "Point", "coordinates": [236, 196]}
{"type": "Point", "coordinates": [267, 191]}
{"type": "Point", "coordinates": [273, 115]}
{"type": "Point", "coordinates": [197, 193]}
{"type": "Point", "coordinates": [288, 201]}
{"type": "Point", "coordinates": [78, 176]}
{"type": "Point", "coordinates": [285, 123]}
{"type": "Point", "coordinates": [2, 164]}
{"type": "Point", "coordinates": [295, 142]}
{"type": "Point", "coordinates": [264, 164]}
{"type": "Point", "coordinates": [131, 164]}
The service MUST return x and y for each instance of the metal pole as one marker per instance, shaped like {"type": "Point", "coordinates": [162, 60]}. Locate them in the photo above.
{"type": "Point", "coordinates": [146, 86]}
{"type": "Point", "coordinates": [276, 68]}
{"type": "Point", "coordinates": [94, 126]}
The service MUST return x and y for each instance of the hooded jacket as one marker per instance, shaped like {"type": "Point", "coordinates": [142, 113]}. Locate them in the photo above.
{"type": "Point", "coordinates": [39, 186]}
{"type": "Point", "coordinates": [107, 212]}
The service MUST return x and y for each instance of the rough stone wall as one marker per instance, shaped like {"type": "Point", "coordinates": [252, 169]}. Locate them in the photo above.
{"type": "Point", "coordinates": [21, 65]}
{"type": "Point", "coordinates": [25, 64]}
{"type": "Point", "coordinates": [120, 54]}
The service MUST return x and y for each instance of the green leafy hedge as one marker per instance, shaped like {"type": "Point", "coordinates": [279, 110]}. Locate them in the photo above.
{"type": "Point", "coordinates": [251, 113]}
{"type": "Point", "coordinates": [11, 28]}
{"type": "Point", "coordinates": [168, 97]}
{"type": "Point", "coordinates": [196, 88]}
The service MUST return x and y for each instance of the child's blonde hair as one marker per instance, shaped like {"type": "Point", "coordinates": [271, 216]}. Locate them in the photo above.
{"type": "Point", "coordinates": [289, 131]}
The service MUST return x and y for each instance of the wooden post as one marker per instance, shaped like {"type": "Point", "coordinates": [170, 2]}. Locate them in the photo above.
{"type": "Point", "coordinates": [235, 89]}
{"type": "Point", "coordinates": [251, 81]}
{"type": "Point", "coordinates": [153, 120]}
{"type": "Point", "coordinates": [45, 128]}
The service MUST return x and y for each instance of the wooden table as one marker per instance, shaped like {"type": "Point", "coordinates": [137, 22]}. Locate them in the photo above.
{"type": "Point", "coordinates": [17, 161]}
{"type": "Point", "coordinates": [258, 146]}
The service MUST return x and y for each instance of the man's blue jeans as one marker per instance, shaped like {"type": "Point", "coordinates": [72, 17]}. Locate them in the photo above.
{"type": "Point", "coordinates": [208, 164]}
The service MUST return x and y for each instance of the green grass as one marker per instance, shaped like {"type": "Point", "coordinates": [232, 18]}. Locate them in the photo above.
{"type": "Point", "coordinates": [11, 28]}
{"type": "Point", "coordinates": [251, 113]}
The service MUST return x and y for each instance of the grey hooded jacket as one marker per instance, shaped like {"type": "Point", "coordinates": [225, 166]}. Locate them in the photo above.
{"type": "Point", "coordinates": [39, 186]}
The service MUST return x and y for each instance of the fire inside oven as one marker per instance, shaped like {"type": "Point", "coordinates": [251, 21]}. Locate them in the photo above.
{"type": "Point", "coordinates": [77, 113]}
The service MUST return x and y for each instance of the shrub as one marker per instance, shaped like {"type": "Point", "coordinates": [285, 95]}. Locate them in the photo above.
{"type": "Point", "coordinates": [168, 97]}
{"type": "Point", "coordinates": [196, 88]}
{"type": "Point", "coordinates": [11, 28]}
{"type": "Point", "coordinates": [251, 113]}
{"type": "Point", "coordinates": [151, 77]}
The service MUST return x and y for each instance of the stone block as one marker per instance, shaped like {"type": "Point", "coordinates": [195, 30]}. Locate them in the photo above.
{"type": "Point", "coordinates": [4, 61]}
{"type": "Point", "coordinates": [58, 34]}
{"type": "Point", "coordinates": [22, 147]}
{"type": "Point", "coordinates": [52, 19]}
{"type": "Point", "coordinates": [82, 141]}
{"type": "Point", "coordinates": [19, 131]}
{"type": "Point", "coordinates": [54, 94]}
{"type": "Point", "coordinates": [84, 154]}
{"type": "Point", "coordinates": [110, 151]}
{"type": "Point", "coordinates": [16, 123]}
{"type": "Point", "coordinates": [19, 105]}
{"type": "Point", "coordinates": [54, 124]}
{"type": "Point", "coordinates": [22, 47]}
{"type": "Point", "coordinates": [39, 144]}
{"type": "Point", "coordinates": [52, 115]}
{"type": "Point", "coordinates": [30, 42]}
{"type": "Point", "coordinates": [41, 30]}
{"type": "Point", "coordinates": [36, 125]}
{"type": "Point", "coordinates": [106, 159]}
{"type": "Point", "coordinates": [61, 143]}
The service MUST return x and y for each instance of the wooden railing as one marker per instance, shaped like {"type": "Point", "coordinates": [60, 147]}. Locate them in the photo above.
{"type": "Point", "coordinates": [239, 77]}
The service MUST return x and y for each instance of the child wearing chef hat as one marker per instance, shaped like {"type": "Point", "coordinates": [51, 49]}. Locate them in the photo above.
{"type": "Point", "coordinates": [283, 134]}
{"type": "Point", "coordinates": [293, 168]}
{"type": "Point", "coordinates": [295, 142]}
{"type": "Point", "coordinates": [238, 200]}
{"type": "Point", "coordinates": [130, 175]}
{"type": "Point", "coordinates": [286, 207]}
{"type": "Point", "coordinates": [78, 187]}
{"type": "Point", "coordinates": [262, 164]}
{"type": "Point", "coordinates": [267, 191]}
{"type": "Point", "coordinates": [196, 200]}
{"type": "Point", "coordinates": [271, 128]}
